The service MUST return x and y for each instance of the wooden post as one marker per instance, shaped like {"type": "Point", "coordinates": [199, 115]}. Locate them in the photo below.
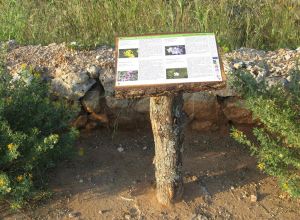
{"type": "Point", "coordinates": [167, 119]}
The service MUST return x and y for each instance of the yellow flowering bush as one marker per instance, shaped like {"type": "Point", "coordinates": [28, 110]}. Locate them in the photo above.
{"type": "Point", "coordinates": [34, 134]}
{"type": "Point", "coordinates": [277, 145]}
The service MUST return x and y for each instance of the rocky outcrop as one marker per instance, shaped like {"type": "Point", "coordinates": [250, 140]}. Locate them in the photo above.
{"type": "Point", "coordinates": [235, 111]}
{"type": "Point", "coordinates": [88, 77]}
{"type": "Point", "coordinates": [203, 110]}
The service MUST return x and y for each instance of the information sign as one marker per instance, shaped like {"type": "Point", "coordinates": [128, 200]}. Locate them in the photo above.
{"type": "Point", "coordinates": [167, 60]}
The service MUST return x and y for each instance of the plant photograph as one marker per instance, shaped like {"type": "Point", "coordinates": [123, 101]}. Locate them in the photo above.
{"type": "Point", "coordinates": [131, 75]}
{"type": "Point", "coordinates": [128, 53]}
{"type": "Point", "coordinates": [175, 50]}
{"type": "Point", "coordinates": [176, 73]}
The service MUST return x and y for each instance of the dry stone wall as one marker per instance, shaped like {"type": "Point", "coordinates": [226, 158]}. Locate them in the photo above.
{"type": "Point", "coordinates": [87, 77]}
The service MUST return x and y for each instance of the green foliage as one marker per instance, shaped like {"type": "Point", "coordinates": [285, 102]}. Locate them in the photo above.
{"type": "Point", "coordinates": [265, 24]}
{"type": "Point", "coordinates": [34, 134]}
{"type": "Point", "coordinates": [278, 137]}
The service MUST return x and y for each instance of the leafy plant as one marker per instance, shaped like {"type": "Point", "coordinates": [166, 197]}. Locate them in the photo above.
{"type": "Point", "coordinates": [277, 144]}
{"type": "Point", "coordinates": [34, 134]}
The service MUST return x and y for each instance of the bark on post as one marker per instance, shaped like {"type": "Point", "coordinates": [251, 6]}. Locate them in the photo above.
{"type": "Point", "coordinates": [167, 119]}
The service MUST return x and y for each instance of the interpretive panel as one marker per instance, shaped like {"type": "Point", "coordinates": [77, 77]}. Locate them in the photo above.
{"type": "Point", "coordinates": [167, 60]}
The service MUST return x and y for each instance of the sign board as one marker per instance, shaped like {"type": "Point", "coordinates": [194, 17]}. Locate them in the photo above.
{"type": "Point", "coordinates": [154, 64]}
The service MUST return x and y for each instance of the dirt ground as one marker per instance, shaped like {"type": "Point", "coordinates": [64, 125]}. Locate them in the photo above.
{"type": "Point", "coordinates": [221, 182]}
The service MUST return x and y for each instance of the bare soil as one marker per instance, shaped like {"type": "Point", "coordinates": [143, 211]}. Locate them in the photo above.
{"type": "Point", "coordinates": [220, 178]}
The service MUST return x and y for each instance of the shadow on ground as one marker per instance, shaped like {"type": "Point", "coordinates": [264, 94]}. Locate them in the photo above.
{"type": "Point", "coordinates": [113, 172]}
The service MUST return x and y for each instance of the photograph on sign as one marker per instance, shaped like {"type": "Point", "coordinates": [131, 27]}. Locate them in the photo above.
{"type": "Point", "coordinates": [167, 59]}
{"type": "Point", "coordinates": [128, 53]}
{"type": "Point", "coordinates": [175, 50]}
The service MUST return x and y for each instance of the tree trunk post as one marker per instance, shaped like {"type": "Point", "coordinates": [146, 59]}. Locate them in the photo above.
{"type": "Point", "coordinates": [167, 120]}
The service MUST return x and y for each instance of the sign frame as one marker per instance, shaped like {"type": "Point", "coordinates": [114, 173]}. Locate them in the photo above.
{"type": "Point", "coordinates": [148, 90]}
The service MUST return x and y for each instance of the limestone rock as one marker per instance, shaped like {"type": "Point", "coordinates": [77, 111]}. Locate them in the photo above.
{"type": "Point", "coordinates": [253, 198]}
{"type": "Point", "coordinates": [274, 81]}
{"type": "Point", "coordinates": [94, 71]}
{"type": "Point", "coordinates": [103, 118]}
{"type": "Point", "coordinates": [142, 105]}
{"type": "Point", "coordinates": [72, 74]}
{"type": "Point", "coordinates": [239, 65]}
{"type": "Point", "coordinates": [93, 100]}
{"type": "Point", "coordinates": [107, 79]}
{"type": "Point", "coordinates": [115, 104]}
{"type": "Point", "coordinates": [81, 121]}
{"type": "Point", "coordinates": [204, 125]}
{"type": "Point", "coordinates": [202, 106]}
{"type": "Point", "coordinates": [235, 112]}
{"type": "Point", "coordinates": [226, 92]}
{"type": "Point", "coordinates": [72, 84]}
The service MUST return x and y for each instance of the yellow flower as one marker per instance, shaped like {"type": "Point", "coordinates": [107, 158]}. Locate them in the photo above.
{"type": "Point", "coordinates": [20, 178]}
{"type": "Point", "coordinates": [11, 146]}
{"type": "Point", "coordinates": [37, 75]}
{"type": "Point", "coordinates": [23, 66]}
{"type": "Point", "coordinates": [237, 134]}
{"type": "Point", "coordinates": [2, 182]}
{"type": "Point", "coordinates": [129, 54]}
{"type": "Point", "coordinates": [261, 166]}
{"type": "Point", "coordinates": [285, 186]}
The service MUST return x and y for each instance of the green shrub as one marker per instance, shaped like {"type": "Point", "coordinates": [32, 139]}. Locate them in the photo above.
{"type": "Point", "coordinates": [34, 135]}
{"type": "Point", "coordinates": [277, 144]}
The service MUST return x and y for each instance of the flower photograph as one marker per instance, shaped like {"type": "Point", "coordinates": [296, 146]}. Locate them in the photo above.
{"type": "Point", "coordinates": [128, 53]}
{"type": "Point", "coordinates": [131, 75]}
{"type": "Point", "coordinates": [175, 50]}
{"type": "Point", "coordinates": [177, 73]}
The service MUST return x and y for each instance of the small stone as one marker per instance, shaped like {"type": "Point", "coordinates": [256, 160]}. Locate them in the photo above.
{"type": "Point", "coordinates": [74, 214]}
{"type": "Point", "coordinates": [127, 216]}
{"type": "Point", "coordinates": [199, 217]}
{"type": "Point", "coordinates": [253, 198]}
{"type": "Point", "coordinates": [11, 44]}
{"type": "Point", "coordinates": [259, 78]}
{"type": "Point", "coordinates": [194, 178]}
{"type": "Point", "coordinates": [232, 188]}
{"type": "Point", "coordinates": [238, 65]}
{"type": "Point", "coordinates": [144, 148]}
{"type": "Point", "coordinates": [81, 180]}
{"type": "Point", "coordinates": [289, 78]}
{"type": "Point", "coordinates": [120, 149]}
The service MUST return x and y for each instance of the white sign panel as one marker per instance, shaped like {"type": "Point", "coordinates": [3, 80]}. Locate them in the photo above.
{"type": "Point", "coordinates": [167, 59]}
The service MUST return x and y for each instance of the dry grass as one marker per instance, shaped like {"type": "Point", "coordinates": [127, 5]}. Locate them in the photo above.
{"type": "Point", "coordinates": [266, 24]}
